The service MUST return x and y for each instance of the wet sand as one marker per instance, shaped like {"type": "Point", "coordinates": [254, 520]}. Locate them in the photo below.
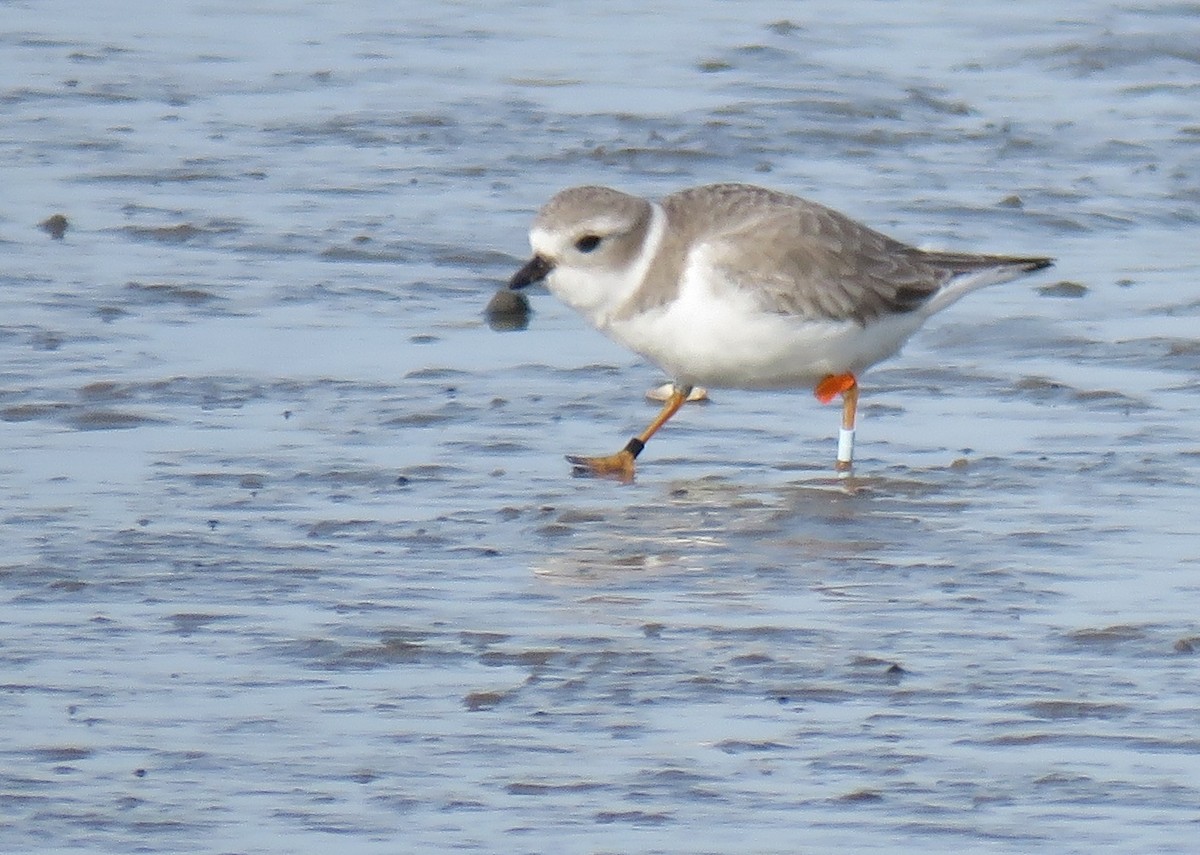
{"type": "Point", "coordinates": [292, 556]}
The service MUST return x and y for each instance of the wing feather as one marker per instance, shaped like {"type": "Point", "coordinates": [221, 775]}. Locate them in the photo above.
{"type": "Point", "coordinates": [797, 257]}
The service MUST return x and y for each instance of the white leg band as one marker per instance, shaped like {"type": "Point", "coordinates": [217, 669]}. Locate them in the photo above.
{"type": "Point", "coordinates": [845, 452]}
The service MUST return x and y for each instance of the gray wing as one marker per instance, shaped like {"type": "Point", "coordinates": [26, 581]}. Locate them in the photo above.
{"type": "Point", "coordinates": [800, 258]}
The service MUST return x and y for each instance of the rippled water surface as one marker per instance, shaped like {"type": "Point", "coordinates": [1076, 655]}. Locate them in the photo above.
{"type": "Point", "coordinates": [292, 561]}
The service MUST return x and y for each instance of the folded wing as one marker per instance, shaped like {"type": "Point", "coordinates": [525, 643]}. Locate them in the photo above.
{"type": "Point", "coordinates": [799, 258]}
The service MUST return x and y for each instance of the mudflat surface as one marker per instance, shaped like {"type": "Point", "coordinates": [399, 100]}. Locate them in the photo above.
{"type": "Point", "coordinates": [292, 561]}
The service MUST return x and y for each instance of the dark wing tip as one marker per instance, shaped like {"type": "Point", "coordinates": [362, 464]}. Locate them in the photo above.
{"type": "Point", "coordinates": [965, 262]}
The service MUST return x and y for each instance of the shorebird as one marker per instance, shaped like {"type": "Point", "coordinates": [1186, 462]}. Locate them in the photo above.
{"type": "Point", "coordinates": [737, 286]}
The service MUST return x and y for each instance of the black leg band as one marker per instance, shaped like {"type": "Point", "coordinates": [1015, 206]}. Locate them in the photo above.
{"type": "Point", "coordinates": [635, 446]}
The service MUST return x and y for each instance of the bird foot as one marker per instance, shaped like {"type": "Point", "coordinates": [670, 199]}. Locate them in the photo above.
{"type": "Point", "coordinates": [618, 466]}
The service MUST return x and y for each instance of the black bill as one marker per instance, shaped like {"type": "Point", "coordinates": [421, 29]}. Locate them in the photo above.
{"type": "Point", "coordinates": [535, 270]}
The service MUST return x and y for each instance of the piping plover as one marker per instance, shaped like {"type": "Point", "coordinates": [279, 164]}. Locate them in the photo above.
{"type": "Point", "coordinates": [736, 286]}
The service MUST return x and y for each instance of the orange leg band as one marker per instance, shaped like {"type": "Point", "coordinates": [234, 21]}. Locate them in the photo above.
{"type": "Point", "coordinates": [834, 385]}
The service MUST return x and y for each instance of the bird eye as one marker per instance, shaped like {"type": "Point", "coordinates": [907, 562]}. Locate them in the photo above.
{"type": "Point", "coordinates": [587, 243]}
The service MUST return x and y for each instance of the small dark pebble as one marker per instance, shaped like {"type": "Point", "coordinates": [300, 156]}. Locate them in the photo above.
{"type": "Point", "coordinates": [1063, 289]}
{"type": "Point", "coordinates": [55, 226]}
{"type": "Point", "coordinates": [476, 701]}
{"type": "Point", "coordinates": [402, 480]}
{"type": "Point", "coordinates": [1186, 645]}
{"type": "Point", "coordinates": [784, 27]}
{"type": "Point", "coordinates": [139, 773]}
{"type": "Point", "coordinates": [108, 314]}
{"type": "Point", "coordinates": [861, 796]}
{"type": "Point", "coordinates": [46, 340]}
{"type": "Point", "coordinates": [507, 311]}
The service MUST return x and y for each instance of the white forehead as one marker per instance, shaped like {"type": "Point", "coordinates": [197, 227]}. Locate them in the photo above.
{"type": "Point", "coordinates": [544, 242]}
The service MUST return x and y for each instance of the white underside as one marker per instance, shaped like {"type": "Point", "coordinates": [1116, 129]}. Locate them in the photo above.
{"type": "Point", "coordinates": [732, 343]}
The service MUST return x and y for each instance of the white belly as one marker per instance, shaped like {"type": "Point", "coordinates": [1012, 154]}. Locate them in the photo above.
{"type": "Point", "coordinates": [730, 342]}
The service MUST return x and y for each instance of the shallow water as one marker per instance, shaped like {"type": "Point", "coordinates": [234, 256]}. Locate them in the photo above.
{"type": "Point", "coordinates": [292, 559]}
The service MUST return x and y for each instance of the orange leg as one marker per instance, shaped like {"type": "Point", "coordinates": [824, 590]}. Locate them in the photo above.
{"type": "Point", "coordinates": [620, 465]}
{"type": "Point", "coordinates": [845, 385]}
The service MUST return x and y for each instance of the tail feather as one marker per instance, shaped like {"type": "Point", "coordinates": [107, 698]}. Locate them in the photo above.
{"type": "Point", "coordinates": [967, 273]}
